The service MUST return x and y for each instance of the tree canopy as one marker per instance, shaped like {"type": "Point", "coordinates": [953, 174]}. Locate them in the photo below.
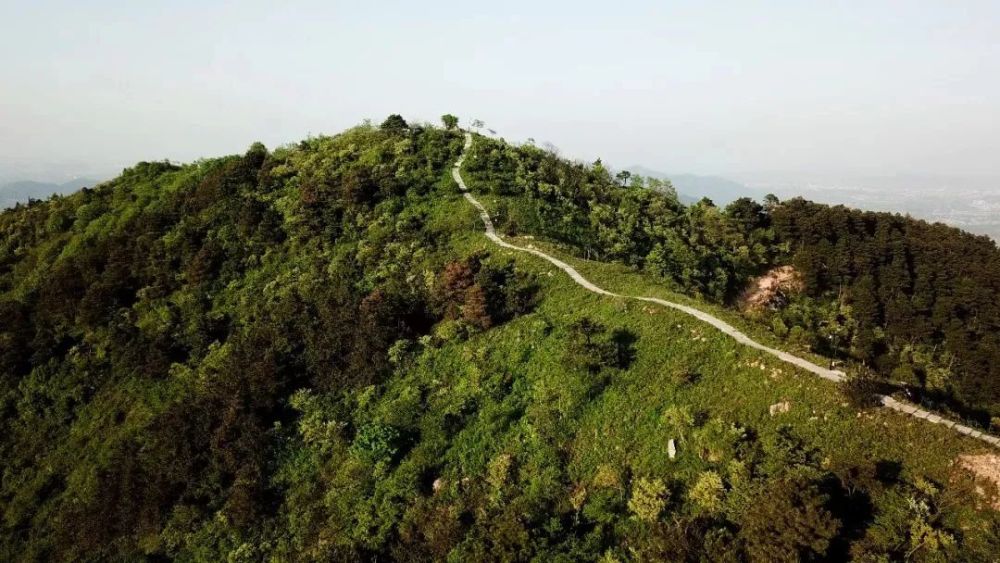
{"type": "Point", "coordinates": [449, 121]}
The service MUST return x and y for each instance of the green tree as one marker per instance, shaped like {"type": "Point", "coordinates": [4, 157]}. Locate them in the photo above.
{"type": "Point", "coordinates": [394, 122]}
{"type": "Point", "coordinates": [449, 121]}
{"type": "Point", "coordinates": [861, 389]}
{"type": "Point", "coordinates": [590, 346]}
{"type": "Point", "coordinates": [376, 442]}
{"type": "Point", "coordinates": [788, 521]}
{"type": "Point", "coordinates": [747, 214]}
{"type": "Point", "coordinates": [649, 499]}
{"type": "Point", "coordinates": [708, 492]}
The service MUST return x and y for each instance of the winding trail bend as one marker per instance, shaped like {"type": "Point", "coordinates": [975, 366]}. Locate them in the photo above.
{"type": "Point", "coordinates": [828, 374]}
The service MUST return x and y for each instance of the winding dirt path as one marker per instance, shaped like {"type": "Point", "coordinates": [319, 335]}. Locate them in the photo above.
{"type": "Point", "coordinates": [828, 374]}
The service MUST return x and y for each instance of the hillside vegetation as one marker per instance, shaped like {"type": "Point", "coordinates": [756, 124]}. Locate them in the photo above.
{"type": "Point", "coordinates": [919, 304]}
{"type": "Point", "coordinates": [312, 353]}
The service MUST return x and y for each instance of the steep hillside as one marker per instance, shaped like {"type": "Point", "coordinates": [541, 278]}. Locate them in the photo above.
{"type": "Point", "coordinates": [315, 354]}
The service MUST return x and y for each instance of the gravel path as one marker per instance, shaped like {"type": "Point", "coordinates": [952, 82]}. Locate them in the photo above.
{"type": "Point", "coordinates": [828, 374]}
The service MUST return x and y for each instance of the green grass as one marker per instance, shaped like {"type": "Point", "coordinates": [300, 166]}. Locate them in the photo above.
{"type": "Point", "coordinates": [523, 403]}
{"type": "Point", "coordinates": [625, 280]}
{"type": "Point", "coordinates": [622, 425]}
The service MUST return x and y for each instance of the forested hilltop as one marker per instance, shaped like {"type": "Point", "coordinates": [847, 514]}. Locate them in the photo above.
{"type": "Point", "coordinates": [313, 354]}
{"type": "Point", "coordinates": [917, 303]}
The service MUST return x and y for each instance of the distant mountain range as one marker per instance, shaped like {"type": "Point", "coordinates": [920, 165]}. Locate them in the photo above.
{"type": "Point", "coordinates": [692, 188]}
{"type": "Point", "coordinates": [20, 192]}
{"type": "Point", "coordinates": [972, 203]}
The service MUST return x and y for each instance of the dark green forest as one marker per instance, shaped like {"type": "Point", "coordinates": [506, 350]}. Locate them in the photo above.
{"type": "Point", "coordinates": [313, 354]}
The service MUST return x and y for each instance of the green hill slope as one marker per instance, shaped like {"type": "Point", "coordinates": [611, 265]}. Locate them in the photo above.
{"type": "Point", "coordinates": [314, 354]}
{"type": "Point", "coordinates": [916, 303]}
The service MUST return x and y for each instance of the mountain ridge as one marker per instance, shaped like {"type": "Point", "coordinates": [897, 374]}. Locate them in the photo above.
{"type": "Point", "coordinates": [21, 191]}
{"type": "Point", "coordinates": [313, 353]}
{"type": "Point", "coordinates": [693, 187]}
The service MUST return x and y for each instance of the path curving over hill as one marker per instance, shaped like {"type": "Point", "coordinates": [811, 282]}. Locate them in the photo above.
{"type": "Point", "coordinates": [828, 374]}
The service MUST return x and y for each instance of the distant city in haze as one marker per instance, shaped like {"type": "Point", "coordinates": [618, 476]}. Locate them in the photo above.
{"type": "Point", "coordinates": [971, 203]}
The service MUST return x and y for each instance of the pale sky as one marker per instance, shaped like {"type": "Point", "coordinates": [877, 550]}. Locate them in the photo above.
{"type": "Point", "coordinates": [867, 87]}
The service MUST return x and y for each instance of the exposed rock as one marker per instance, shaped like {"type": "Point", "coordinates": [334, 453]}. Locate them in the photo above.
{"type": "Point", "coordinates": [771, 290]}
{"type": "Point", "coordinates": [779, 408]}
{"type": "Point", "coordinates": [985, 468]}
{"type": "Point", "coordinates": [671, 448]}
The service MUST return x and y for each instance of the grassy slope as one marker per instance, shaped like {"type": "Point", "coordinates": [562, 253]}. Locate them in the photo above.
{"type": "Point", "coordinates": [731, 386]}
{"type": "Point", "coordinates": [622, 426]}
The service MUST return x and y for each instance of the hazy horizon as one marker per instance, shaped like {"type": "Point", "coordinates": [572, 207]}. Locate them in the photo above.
{"type": "Point", "coordinates": [859, 89]}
